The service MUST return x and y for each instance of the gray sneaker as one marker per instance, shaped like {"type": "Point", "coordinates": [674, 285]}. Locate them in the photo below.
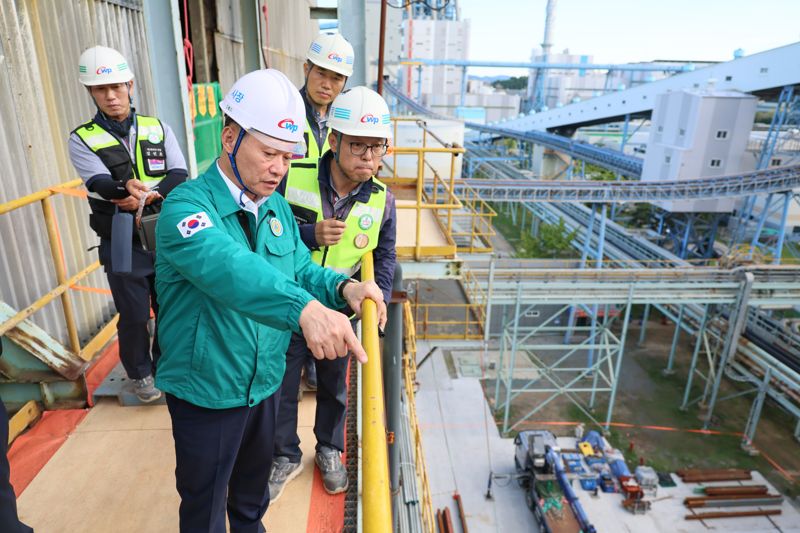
{"type": "Point", "coordinates": [145, 390]}
{"type": "Point", "coordinates": [283, 471]}
{"type": "Point", "coordinates": [334, 475]}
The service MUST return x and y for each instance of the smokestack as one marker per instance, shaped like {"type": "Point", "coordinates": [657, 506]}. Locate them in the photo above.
{"type": "Point", "coordinates": [549, 23]}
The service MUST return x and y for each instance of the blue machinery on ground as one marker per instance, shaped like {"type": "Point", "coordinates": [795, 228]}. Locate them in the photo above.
{"type": "Point", "coordinates": [735, 335]}
{"type": "Point", "coordinates": [538, 461]}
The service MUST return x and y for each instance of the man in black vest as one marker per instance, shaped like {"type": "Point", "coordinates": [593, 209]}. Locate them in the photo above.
{"type": "Point", "coordinates": [116, 153]}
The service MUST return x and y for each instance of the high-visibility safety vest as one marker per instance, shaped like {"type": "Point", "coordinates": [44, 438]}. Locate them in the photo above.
{"type": "Point", "coordinates": [309, 164]}
{"type": "Point", "coordinates": [150, 162]}
{"type": "Point", "coordinates": [363, 221]}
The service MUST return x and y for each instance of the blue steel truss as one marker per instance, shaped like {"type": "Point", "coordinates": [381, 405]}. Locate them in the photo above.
{"type": "Point", "coordinates": [773, 180]}
{"type": "Point", "coordinates": [610, 159]}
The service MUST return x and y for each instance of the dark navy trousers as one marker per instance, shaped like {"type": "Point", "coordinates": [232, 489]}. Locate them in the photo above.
{"type": "Point", "coordinates": [331, 401]}
{"type": "Point", "coordinates": [223, 458]}
{"type": "Point", "coordinates": [134, 294]}
{"type": "Point", "coordinates": [9, 521]}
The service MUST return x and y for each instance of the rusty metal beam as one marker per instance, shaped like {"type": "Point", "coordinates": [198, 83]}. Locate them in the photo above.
{"type": "Point", "coordinates": [26, 416]}
{"type": "Point", "coordinates": [43, 347]}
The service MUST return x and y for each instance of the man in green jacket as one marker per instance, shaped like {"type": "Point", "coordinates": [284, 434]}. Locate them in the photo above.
{"type": "Point", "coordinates": [234, 280]}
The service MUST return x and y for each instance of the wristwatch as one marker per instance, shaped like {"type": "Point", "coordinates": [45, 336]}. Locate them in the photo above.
{"type": "Point", "coordinates": [344, 284]}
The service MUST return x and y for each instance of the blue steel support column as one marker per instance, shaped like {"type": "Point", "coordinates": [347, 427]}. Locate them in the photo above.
{"type": "Point", "coordinates": [787, 199]}
{"type": "Point", "coordinates": [645, 318]}
{"type": "Point", "coordinates": [697, 345]}
{"type": "Point", "coordinates": [760, 226]}
{"type": "Point", "coordinates": [583, 169]}
{"type": "Point", "coordinates": [738, 317]}
{"type": "Point", "coordinates": [584, 255]}
{"type": "Point", "coordinates": [687, 231]}
{"type": "Point", "coordinates": [513, 361]}
{"type": "Point", "coordinates": [621, 149]}
{"type": "Point", "coordinates": [620, 355]}
{"type": "Point", "coordinates": [755, 411]}
{"type": "Point", "coordinates": [669, 370]}
{"type": "Point", "coordinates": [601, 238]}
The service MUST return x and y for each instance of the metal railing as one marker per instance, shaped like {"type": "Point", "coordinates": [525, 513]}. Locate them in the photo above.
{"type": "Point", "coordinates": [409, 383]}
{"type": "Point", "coordinates": [65, 281]}
{"type": "Point", "coordinates": [434, 191]}
{"type": "Point", "coordinates": [377, 506]}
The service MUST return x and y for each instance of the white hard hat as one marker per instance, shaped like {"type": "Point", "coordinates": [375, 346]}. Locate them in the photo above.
{"type": "Point", "coordinates": [269, 107]}
{"type": "Point", "coordinates": [333, 52]}
{"type": "Point", "coordinates": [361, 112]}
{"type": "Point", "coordinates": [101, 65]}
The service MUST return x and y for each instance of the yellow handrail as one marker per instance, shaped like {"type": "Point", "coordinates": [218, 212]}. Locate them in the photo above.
{"type": "Point", "coordinates": [64, 281]}
{"type": "Point", "coordinates": [377, 506]}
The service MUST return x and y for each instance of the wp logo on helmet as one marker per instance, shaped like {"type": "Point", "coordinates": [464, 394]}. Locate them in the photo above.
{"type": "Point", "coordinates": [288, 124]}
{"type": "Point", "coordinates": [103, 70]}
{"type": "Point", "coordinates": [333, 56]}
{"type": "Point", "coordinates": [369, 118]}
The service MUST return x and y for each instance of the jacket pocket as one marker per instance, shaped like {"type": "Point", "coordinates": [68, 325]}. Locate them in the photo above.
{"type": "Point", "coordinates": [200, 338]}
{"type": "Point", "coordinates": [280, 246]}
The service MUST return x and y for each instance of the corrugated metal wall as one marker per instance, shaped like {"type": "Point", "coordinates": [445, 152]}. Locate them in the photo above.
{"type": "Point", "coordinates": [285, 44]}
{"type": "Point", "coordinates": [41, 101]}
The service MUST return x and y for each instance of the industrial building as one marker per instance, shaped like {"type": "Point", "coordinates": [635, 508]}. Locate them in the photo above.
{"type": "Point", "coordinates": [595, 323]}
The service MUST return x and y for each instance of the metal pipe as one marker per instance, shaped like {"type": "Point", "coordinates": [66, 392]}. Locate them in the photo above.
{"type": "Point", "coordinates": [46, 299]}
{"type": "Point", "coordinates": [381, 44]}
{"type": "Point", "coordinates": [41, 194]}
{"type": "Point", "coordinates": [392, 384]}
{"type": "Point", "coordinates": [460, 505]}
{"type": "Point", "coordinates": [57, 251]}
{"type": "Point", "coordinates": [377, 506]}
{"type": "Point", "coordinates": [674, 347]}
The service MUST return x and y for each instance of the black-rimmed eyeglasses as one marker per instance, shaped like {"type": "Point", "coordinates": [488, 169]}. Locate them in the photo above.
{"type": "Point", "coordinates": [359, 148]}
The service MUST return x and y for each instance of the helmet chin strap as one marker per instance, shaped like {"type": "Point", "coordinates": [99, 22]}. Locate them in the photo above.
{"type": "Point", "coordinates": [232, 159]}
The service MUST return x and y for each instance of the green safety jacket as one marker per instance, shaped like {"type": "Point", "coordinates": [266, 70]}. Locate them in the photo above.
{"type": "Point", "coordinates": [363, 221]}
{"type": "Point", "coordinates": [228, 305]}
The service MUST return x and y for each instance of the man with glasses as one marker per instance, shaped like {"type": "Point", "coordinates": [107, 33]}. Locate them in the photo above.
{"type": "Point", "coordinates": [346, 192]}
{"type": "Point", "coordinates": [329, 62]}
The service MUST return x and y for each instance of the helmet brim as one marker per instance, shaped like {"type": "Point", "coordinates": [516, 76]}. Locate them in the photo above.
{"type": "Point", "coordinates": [297, 149]}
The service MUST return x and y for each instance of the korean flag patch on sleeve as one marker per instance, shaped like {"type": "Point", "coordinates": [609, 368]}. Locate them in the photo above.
{"type": "Point", "coordinates": [194, 224]}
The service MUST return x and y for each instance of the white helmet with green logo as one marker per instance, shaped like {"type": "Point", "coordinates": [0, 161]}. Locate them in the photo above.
{"type": "Point", "coordinates": [361, 112]}
{"type": "Point", "coordinates": [332, 51]}
{"type": "Point", "coordinates": [101, 65]}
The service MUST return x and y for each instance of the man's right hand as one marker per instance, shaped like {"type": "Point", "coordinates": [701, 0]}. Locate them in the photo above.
{"type": "Point", "coordinates": [329, 333]}
{"type": "Point", "coordinates": [329, 231]}
{"type": "Point", "coordinates": [129, 203]}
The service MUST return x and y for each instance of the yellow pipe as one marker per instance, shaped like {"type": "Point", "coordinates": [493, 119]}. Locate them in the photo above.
{"type": "Point", "coordinates": [377, 506]}
{"type": "Point", "coordinates": [420, 185]}
{"type": "Point", "coordinates": [100, 340]}
{"type": "Point", "coordinates": [418, 149]}
{"type": "Point", "coordinates": [36, 196]}
{"type": "Point", "coordinates": [57, 252]}
{"type": "Point", "coordinates": [46, 299]}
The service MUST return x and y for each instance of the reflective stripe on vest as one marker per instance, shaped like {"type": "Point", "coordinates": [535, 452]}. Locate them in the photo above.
{"type": "Point", "coordinates": [148, 129]}
{"type": "Point", "coordinates": [363, 222]}
{"type": "Point", "coordinates": [309, 164]}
